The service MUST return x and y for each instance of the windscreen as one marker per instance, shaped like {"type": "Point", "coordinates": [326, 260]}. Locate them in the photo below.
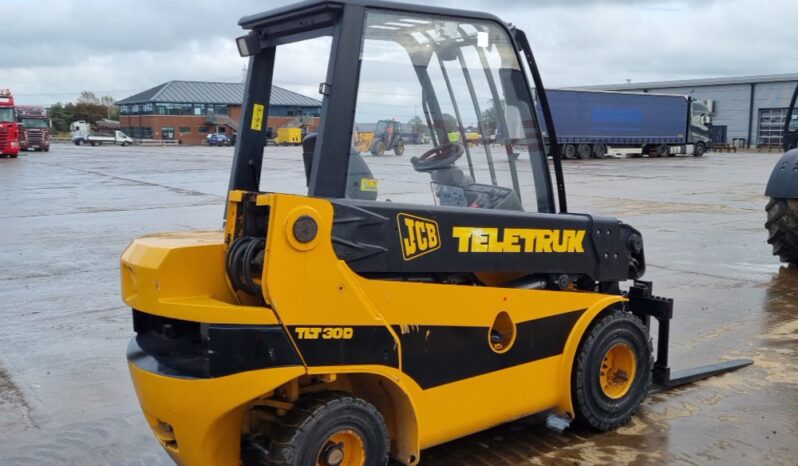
{"type": "Point", "coordinates": [6, 115]}
{"type": "Point", "coordinates": [443, 115]}
{"type": "Point", "coordinates": [34, 123]}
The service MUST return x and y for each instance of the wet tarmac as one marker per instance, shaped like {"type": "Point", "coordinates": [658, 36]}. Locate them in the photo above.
{"type": "Point", "coordinates": [66, 215]}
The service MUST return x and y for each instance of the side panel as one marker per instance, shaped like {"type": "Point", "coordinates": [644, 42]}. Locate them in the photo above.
{"type": "Point", "coordinates": [441, 333]}
{"type": "Point", "coordinates": [616, 117]}
{"type": "Point", "coordinates": [383, 237]}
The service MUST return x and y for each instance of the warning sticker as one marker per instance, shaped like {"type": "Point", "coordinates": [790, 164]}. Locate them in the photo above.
{"type": "Point", "coordinates": [257, 117]}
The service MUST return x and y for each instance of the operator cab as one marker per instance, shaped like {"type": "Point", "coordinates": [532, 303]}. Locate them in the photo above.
{"type": "Point", "coordinates": [445, 82]}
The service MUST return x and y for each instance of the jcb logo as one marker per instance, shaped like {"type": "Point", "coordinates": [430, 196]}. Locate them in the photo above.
{"type": "Point", "coordinates": [417, 235]}
{"type": "Point", "coordinates": [324, 333]}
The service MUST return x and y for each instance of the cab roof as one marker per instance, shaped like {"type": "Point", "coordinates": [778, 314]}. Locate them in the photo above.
{"type": "Point", "coordinates": [311, 7]}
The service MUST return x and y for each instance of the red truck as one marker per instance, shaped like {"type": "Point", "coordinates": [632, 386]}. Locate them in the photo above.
{"type": "Point", "coordinates": [9, 131]}
{"type": "Point", "coordinates": [34, 131]}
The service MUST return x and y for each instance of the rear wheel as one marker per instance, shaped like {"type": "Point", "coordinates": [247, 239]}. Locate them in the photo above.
{"type": "Point", "coordinates": [600, 151]}
{"type": "Point", "coordinates": [663, 150]}
{"type": "Point", "coordinates": [782, 225]}
{"type": "Point", "coordinates": [330, 429]}
{"type": "Point", "coordinates": [612, 371]}
{"type": "Point", "coordinates": [569, 151]}
{"type": "Point", "coordinates": [584, 151]}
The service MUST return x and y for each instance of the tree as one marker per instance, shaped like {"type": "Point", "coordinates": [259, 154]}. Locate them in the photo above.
{"type": "Point", "coordinates": [450, 123]}
{"type": "Point", "coordinates": [60, 117]}
{"type": "Point", "coordinates": [417, 125]}
{"type": "Point", "coordinates": [87, 97]}
{"type": "Point", "coordinates": [490, 117]}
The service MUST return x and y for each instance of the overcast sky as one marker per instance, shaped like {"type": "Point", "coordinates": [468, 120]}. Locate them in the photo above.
{"type": "Point", "coordinates": [53, 49]}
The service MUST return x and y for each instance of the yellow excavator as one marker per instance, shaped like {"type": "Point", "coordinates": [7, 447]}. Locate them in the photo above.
{"type": "Point", "coordinates": [402, 304]}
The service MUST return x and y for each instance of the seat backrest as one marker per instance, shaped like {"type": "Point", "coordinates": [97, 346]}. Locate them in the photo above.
{"type": "Point", "coordinates": [357, 170]}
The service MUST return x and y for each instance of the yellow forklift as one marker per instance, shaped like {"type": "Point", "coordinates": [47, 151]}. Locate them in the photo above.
{"type": "Point", "coordinates": [396, 306]}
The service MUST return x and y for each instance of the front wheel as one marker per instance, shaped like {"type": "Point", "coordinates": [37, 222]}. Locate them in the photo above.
{"type": "Point", "coordinates": [612, 371]}
{"type": "Point", "coordinates": [399, 148]}
{"type": "Point", "coordinates": [699, 149]}
{"type": "Point", "coordinates": [330, 428]}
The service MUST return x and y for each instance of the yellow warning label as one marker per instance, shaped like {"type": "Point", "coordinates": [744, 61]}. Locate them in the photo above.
{"type": "Point", "coordinates": [257, 117]}
{"type": "Point", "coordinates": [368, 184]}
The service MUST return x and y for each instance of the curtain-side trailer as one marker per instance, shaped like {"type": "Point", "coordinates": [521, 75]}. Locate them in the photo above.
{"type": "Point", "coordinates": [588, 123]}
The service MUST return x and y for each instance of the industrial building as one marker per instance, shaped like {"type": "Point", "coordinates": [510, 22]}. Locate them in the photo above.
{"type": "Point", "coordinates": [746, 110]}
{"type": "Point", "coordinates": [187, 111]}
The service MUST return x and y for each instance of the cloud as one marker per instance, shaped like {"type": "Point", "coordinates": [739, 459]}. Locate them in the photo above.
{"type": "Point", "coordinates": [55, 49]}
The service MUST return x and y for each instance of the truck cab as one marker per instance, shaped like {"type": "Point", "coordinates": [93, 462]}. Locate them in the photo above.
{"type": "Point", "coordinates": [34, 131]}
{"type": "Point", "coordinates": [9, 130]}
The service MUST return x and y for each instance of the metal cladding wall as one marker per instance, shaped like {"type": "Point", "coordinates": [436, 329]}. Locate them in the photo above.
{"type": "Point", "coordinates": [618, 118]}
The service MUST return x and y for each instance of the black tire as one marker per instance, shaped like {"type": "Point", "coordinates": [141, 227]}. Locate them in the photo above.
{"type": "Point", "coordinates": [584, 151]}
{"type": "Point", "coordinates": [399, 148]}
{"type": "Point", "coordinates": [699, 149]}
{"type": "Point", "coordinates": [782, 226]}
{"type": "Point", "coordinates": [568, 151]}
{"type": "Point", "coordinates": [594, 408]}
{"type": "Point", "coordinates": [13, 156]}
{"type": "Point", "coordinates": [303, 435]}
{"type": "Point", "coordinates": [663, 150]}
{"type": "Point", "coordinates": [47, 149]}
{"type": "Point", "coordinates": [379, 149]}
{"type": "Point", "coordinates": [600, 151]}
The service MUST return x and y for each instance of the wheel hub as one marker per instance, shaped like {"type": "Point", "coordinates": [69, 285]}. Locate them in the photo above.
{"type": "Point", "coordinates": [618, 369]}
{"type": "Point", "coordinates": [344, 448]}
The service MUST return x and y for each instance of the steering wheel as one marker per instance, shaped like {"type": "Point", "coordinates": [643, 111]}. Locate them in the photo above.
{"type": "Point", "coordinates": [438, 157]}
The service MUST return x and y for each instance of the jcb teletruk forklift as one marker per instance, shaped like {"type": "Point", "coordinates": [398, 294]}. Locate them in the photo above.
{"type": "Point", "coordinates": [392, 309]}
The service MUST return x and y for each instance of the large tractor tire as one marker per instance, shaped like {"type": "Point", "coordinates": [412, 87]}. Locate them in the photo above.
{"type": "Point", "coordinates": [399, 148]}
{"type": "Point", "coordinates": [331, 428]}
{"type": "Point", "coordinates": [782, 225]}
{"type": "Point", "coordinates": [612, 371]}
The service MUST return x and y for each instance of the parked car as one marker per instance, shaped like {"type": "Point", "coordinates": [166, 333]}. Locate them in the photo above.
{"type": "Point", "coordinates": [218, 139]}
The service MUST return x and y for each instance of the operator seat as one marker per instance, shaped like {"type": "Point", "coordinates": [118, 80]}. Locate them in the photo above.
{"type": "Point", "coordinates": [357, 171]}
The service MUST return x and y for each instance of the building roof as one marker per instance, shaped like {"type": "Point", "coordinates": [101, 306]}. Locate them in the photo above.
{"type": "Point", "coordinates": [213, 93]}
{"type": "Point", "coordinates": [765, 78]}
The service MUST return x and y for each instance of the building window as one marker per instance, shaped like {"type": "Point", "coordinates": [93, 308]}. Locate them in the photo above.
{"type": "Point", "coordinates": [221, 129]}
{"type": "Point", "coordinates": [135, 109]}
{"type": "Point", "coordinates": [147, 108]}
{"type": "Point", "coordinates": [124, 109]}
{"type": "Point", "coordinates": [771, 126]}
{"type": "Point", "coordinates": [185, 130]}
{"type": "Point", "coordinates": [202, 130]}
